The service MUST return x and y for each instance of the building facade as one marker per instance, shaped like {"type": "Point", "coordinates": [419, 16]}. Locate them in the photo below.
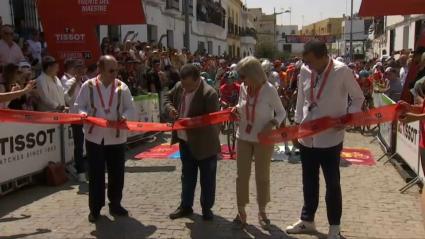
{"type": "Point", "coordinates": [361, 28]}
{"type": "Point", "coordinates": [282, 31]}
{"type": "Point", "coordinates": [214, 25]}
{"type": "Point", "coordinates": [264, 25]}
{"type": "Point", "coordinates": [329, 26]}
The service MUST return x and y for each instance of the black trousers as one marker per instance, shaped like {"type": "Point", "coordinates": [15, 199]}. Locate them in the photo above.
{"type": "Point", "coordinates": [328, 159]}
{"type": "Point", "coordinates": [207, 168]}
{"type": "Point", "coordinates": [78, 135]}
{"type": "Point", "coordinates": [114, 158]}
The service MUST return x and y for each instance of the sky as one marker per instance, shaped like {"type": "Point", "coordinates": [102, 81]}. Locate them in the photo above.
{"type": "Point", "coordinates": [310, 10]}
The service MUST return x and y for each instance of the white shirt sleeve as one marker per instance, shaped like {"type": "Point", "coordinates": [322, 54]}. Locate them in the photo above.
{"type": "Point", "coordinates": [129, 111]}
{"type": "Point", "coordinates": [82, 103]}
{"type": "Point", "coordinates": [299, 114]}
{"type": "Point", "coordinates": [354, 91]}
{"type": "Point", "coordinates": [276, 104]}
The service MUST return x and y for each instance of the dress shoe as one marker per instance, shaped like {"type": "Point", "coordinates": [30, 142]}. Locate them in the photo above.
{"type": "Point", "coordinates": [93, 217]}
{"type": "Point", "coordinates": [117, 210]}
{"type": "Point", "coordinates": [207, 215]}
{"type": "Point", "coordinates": [181, 212]}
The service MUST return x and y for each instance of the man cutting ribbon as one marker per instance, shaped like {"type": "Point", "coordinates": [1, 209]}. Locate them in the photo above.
{"type": "Point", "coordinates": [324, 87]}
{"type": "Point", "coordinates": [108, 98]}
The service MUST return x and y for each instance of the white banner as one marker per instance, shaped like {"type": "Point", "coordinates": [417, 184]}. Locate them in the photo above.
{"type": "Point", "coordinates": [147, 110]}
{"type": "Point", "coordinates": [385, 129]}
{"type": "Point", "coordinates": [26, 149]}
{"type": "Point", "coordinates": [407, 145]}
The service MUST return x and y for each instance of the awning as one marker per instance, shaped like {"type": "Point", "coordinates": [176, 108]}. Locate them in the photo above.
{"type": "Point", "coordinates": [391, 7]}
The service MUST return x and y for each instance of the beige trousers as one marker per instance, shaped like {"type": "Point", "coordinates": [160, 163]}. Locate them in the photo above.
{"type": "Point", "coordinates": [246, 152]}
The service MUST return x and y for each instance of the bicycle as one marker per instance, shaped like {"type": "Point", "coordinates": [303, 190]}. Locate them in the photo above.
{"type": "Point", "coordinates": [229, 129]}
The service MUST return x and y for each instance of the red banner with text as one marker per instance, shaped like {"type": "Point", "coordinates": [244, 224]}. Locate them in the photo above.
{"type": "Point", "coordinates": [70, 25]}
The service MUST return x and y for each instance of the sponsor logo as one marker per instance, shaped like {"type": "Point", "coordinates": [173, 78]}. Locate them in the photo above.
{"type": "Point", "coordinates": [408, 132]}
{"type": "Point", "coordinates": [21, 142]}
{"type": "Point", "coordinates": [94, 6]}
{"type": "Point", "coordinates": [70, 36]}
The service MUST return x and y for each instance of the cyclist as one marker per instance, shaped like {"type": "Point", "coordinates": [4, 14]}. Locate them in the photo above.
{"type": "Point", "coordinates": [272, 76]}
{"type": "Point", "coordinates": [229, 91]}
{"type": "Point", "coordinates": [366, 84]}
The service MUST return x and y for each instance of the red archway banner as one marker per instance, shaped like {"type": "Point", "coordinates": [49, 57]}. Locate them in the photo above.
{"type": "Point", "coordinates": [70, 25]}
{"type": "Point", "coordinates": [391, 7]}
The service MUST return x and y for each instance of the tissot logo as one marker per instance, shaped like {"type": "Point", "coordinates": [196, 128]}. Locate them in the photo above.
{"type": "Point", "coordinates": [20, 142]}
{"type": "Point", "coordinates": [70, 36]}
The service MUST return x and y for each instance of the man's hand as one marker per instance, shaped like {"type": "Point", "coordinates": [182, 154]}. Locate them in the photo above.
{"type": "Point", "coordinates": [16, 87]}
{"type": "Point", "coordinates": [84, 115]}
{"type": "Point", "coordinates": [30, 86]}
{"type": "Point", "coordinates": [234, 111]}
{"type": "Point", "coordinates": [173, 114]}
{"type": "Point", "coordinates": [296, 144]}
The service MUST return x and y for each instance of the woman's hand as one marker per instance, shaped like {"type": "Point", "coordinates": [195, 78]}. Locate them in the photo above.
{"type": "Point", "coordinates": [410, 117]}
{"type": "Point", "coordinates": [30, 86]}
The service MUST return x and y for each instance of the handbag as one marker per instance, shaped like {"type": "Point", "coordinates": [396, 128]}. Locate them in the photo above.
{"type": "Point", "coordinates": [55, 174]}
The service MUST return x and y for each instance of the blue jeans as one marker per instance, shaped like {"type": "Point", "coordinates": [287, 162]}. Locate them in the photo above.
{"type": "Point", "coordinates": [190, 166]}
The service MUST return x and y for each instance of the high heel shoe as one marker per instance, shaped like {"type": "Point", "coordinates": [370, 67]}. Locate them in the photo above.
{"type": "Point", "coordinates": [264, 221]}
{"type": "Point", "coordinates": [240, 220]}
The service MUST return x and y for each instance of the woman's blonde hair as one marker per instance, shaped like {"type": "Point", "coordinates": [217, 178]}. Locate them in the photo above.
{"type": "Point", "coordinates": [251, 68]}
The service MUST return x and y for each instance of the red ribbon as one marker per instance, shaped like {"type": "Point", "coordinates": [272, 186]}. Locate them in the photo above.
{"type": "Point", "coordinates": [374, 116]}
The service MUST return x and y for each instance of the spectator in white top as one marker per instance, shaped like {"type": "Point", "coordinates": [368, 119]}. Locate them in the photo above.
{"type": "Point", "coordinates": [404, 70]}
{"type": "Point", "coordinates": [10, 52]}
{"type": "Point", "coordinates": [35, 47]}
{"type": "Point", "coordinates": [72, 81]}
{"type": "Point", "coordinates": [49, 87]}
{"type": "Point", "coordinates": [333, 82]}
{"type": "Point", "coordinates": [260, 110]}
{"type": "Point", "coordinates": [109, 98]}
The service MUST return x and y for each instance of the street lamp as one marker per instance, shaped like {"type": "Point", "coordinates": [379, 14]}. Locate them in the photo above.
{"type": "Point", "coordinates": [274, 28]}
{"type": "Point", "coordinates": [290, 14]}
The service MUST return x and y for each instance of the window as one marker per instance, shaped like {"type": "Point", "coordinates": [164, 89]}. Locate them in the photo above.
{"type": "Point", "coordinates": [287, 48]}
{"type": "Point", "coordinates": [152, 33]}
{"type": "Point", "coordinates": [239, 52]}
{"type": "Point", "coordinates": [219, 50]}
{"type": "Point", "coordinates": [293, 32]}
{"type": "Point", "coordinates": [201, 46]}
{"type": "Point", "coordinates": [172, 4]}
{"type": "Point", "coordinates": [210, 47]}
{"type": "Point", "coordinates": [170, 39]}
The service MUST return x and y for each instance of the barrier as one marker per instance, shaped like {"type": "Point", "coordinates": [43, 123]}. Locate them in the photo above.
{"type": "Point", "coordinates": [26, 149]}
{"type": "Point", "coordinates": [386, 133]}
{"type": "Point", "coordinates": [147, 110]}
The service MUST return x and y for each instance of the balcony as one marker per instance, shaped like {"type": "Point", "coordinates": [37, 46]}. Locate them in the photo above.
{"type": "Point", "coordinates": [248, 36]}
{"type": "Point", "coordinates": [172, 4]}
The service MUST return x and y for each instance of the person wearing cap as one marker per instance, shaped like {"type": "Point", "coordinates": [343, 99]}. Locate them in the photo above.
{"type": "Point", "coordinates": [49, 87]}
{"type": "Point", "coordinates": [72, 81]}
{"type": "Point", "coordinates": [324, 86]}
{"type": "Point", "coordinates": [107, 98]}
{"type": "Point", "coordinates": [394, 87]}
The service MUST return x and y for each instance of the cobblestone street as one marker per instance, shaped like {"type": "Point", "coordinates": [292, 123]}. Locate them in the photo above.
{"type": "Point", "coordinates": [373, 207]}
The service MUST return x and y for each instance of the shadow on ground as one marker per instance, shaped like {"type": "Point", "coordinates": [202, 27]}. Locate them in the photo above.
{"type": "Point", "coordinates": [130, 228]}
{"type": "Point", "coordinates": [223, 228]}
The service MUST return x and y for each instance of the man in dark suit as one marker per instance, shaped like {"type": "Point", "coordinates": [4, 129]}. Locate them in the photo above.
{"type": "Point", "coordinates": [198, 147]}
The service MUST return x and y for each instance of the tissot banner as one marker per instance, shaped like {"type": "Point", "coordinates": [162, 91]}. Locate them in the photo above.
{"type": "Point", "coordinates": [70, 25]}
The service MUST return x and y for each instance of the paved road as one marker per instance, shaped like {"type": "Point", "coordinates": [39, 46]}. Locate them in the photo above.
{"type": "Point", "coordinates": [373, 207]}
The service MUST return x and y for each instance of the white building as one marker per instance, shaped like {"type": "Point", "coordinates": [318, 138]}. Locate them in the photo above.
{"type": "Point", "coordinates": [282, 45]}
{"type": "Point", "coordinates": [395, 33]}
{"type": "Point", "coordinates": [360, 36]}
{"type": "Point", "coordinates": [165, 22]}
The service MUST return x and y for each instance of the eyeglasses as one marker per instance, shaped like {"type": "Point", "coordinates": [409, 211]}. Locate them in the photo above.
{"type": "Point", "coordinates": [112, 71]}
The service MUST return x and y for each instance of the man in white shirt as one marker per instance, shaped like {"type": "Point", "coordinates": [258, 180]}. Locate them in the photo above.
{"type": "Point", "coordinates": [323, 89]}
{"type": "Point", "coordinates": [10, 52]}
{"type": "Point", "coordinates": [49, 87]}
{"type": "Point", "coordinates": [109, 98]}
{"type": "Point", "coordinates": [71, 82]}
